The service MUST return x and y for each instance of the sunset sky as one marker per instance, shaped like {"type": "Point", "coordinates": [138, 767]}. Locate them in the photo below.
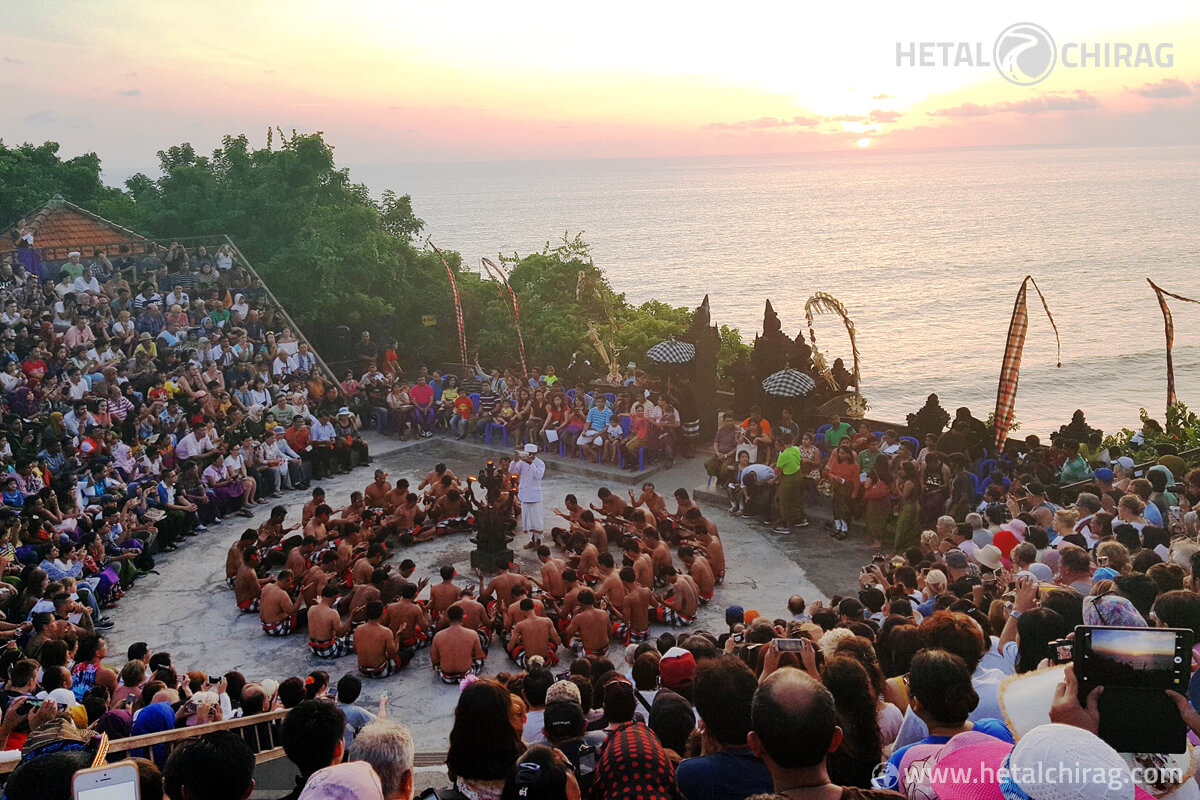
{"type": "Point", "coordinates": [392, 82]}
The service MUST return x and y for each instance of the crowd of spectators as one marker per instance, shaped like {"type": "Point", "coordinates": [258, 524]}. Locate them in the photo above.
{"type": "Point", "coordinates": [145, 398]}
{"type": "Point", "coordinates": [129, 428]}
{"type": "Point", "coordinates": [639, 421]}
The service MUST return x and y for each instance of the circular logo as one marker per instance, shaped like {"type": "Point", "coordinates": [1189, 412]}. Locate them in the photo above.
{"type": "Point", "coordinates": [1025, 53]}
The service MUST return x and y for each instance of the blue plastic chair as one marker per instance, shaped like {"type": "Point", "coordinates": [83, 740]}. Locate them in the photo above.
{"type": "Point", "coordinates": [571, 395]}
{"type": "Point", "coordinates": [611, 398]}
{"type": "Point", "coordinates": [986, 466]}
{"type": "Point", "coordinates": [915, 444]}
{"type": "Point", "coordinates": [487, 433]}
{"type": "Point", "coordinates": [820, 440]}
{"type": "Point", "coordinates": [821, 430]}
{"type": "Point", "coordinates": [878, 435]}
{"type": "Point", "coordinates": [475, 400]}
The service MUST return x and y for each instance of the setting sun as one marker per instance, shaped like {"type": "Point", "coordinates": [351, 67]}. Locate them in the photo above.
{"type": "Point", "coordinates": [864, 142]}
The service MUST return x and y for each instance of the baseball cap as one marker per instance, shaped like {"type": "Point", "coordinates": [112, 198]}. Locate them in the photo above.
{"type": "Point", "coordinates": [562, 691]}
{"type": "Point", "coordinates": [278, 430]}
{"type": "Point", "coordinates": [1104, 474]}
{"type": "Point", "coordinates": [956, 559]}
{"type": "Point", "coordinates": [1041, 572]}
{"type": "Point", "coordinates": [1126, 462]}
{"type": "Point", "coordinates": [563, 717]}
{"type": "Point", "coordinates": [676, 668]}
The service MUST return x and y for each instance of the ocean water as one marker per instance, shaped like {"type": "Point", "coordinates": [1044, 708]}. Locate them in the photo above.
{"type": "Point", "coordinates": [926, 250]}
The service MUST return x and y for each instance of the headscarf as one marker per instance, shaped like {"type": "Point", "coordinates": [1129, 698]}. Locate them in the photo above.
{"type": "Point", "coordinates": [117, 724]}
{"type": "Point", "coordinates": [1111, 610]}
{"type": "Point", "coordinates": [354, 780]}
{"type": "Point", "coordinates": [56, 736]}
{"type": "Point", "coordinates": [154, 718]}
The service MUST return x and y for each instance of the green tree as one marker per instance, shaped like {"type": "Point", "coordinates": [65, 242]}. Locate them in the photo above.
{"type": "Point", "coordinates": [32, 174]}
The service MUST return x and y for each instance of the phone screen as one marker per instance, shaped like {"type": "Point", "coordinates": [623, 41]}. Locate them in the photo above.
{"type": "Point", "coordinates": [1135, 665]}
{"type": "Point", "coordinates": [1153, 658]}
{"type": "Point", "coordinates": [113, 791]}
{"type": "Point", "coordinates": [117, 781]}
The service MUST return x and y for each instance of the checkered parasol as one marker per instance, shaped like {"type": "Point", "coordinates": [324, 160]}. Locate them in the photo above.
{"type": "Point", "coordinates": [672, 352]}
{"type": "Point", "coordinates": [788, 383]}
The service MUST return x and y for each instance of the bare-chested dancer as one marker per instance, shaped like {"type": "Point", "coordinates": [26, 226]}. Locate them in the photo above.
{"type": "Point", "coordinates": [456, 650]}
{"type": "Point", "coordinates": [328, 636]}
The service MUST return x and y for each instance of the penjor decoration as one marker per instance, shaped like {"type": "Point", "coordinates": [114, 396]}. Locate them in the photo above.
{"type": "Point", "coordinates": [1010, 369]}
{"type": "Point", "coordinates": [498, 273]}
{"type": "Point", "coordinates": [462, 331]}
{"type": "Point", "coordinates": [1169, 325]}
{"type": "Point", "coordinates": [822, 303]}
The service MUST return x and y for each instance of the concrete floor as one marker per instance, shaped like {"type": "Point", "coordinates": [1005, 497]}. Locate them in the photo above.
{"type": "Point", "coordinates": [188, 610]}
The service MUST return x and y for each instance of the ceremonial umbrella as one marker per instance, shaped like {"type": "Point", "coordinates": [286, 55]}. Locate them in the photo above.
{"type": "Point", "coordinates": [788, 383]}
{"type": "Point", "coordinates": [672, 352]}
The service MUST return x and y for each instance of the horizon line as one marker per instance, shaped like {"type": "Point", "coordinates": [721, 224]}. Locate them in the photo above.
{"type": "Point", "coordinates": [858, 152]}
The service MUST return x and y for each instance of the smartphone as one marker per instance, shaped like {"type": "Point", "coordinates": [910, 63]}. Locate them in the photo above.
{"type": "Point", "coordinates": [428, 794]}
{"type": "Point", "coordinates": [117, 781]}
{"type": "Point", "coordinates": [587, 760]}
{"type": "Point", "coordinates": [331, 692]}
{"type": "Point", "coordinates": [214, 679]}
{"type": "Point", "coordinates": [1135, 666]}
{"type": "Point", "coordinates": [866, 570]}
{"type": "Point", "coordinates": [29, 706]}
{"type": "Point", "coordinates": [878, 559]}
{"type": "Point", "coordinates": [1061, 651]}
{"type": "Point", "coordinates": [790, 645]}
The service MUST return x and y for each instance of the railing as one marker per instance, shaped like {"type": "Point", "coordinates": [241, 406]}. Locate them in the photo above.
{"type": "Point", "coordinates": [267, 734]}
{"type": "Point", "coordinates": [1139, 470]}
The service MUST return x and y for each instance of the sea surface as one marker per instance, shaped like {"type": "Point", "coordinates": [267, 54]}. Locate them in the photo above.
{"type": "Point", "coordinates": [926, 249]}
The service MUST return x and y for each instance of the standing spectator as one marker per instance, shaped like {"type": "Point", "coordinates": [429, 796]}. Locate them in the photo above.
{"type": "Point", "coordinates": [313, 735]}
{"type": "Point", "coordinates": [388, 747]}
{"type": "Point", "coordinates": [791, 476]}
{"type": "Point", "coordinates": [729, 770]}
{"type": "Point", "coordinates": [217, 764]}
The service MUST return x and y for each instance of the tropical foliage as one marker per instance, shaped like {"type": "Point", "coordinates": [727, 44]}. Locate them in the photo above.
{"type": "Point", "coordinates": [334, 255]}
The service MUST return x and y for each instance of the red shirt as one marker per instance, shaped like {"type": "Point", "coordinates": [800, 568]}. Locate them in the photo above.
{"type": "Point", "coordinates": [421, 395]}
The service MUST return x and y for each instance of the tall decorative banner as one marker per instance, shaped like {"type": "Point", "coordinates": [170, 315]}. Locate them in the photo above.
{"type": "Point", "coordinates": [1169, 324]}
{"type": "Point", "coordinates": [498, 273]}
{"type": "Point", "coordinates": [1006, 394]}
{"type": "Point", "coordinates": [822, 303]}
{"type": "Point", "coordinates": [462, 331]}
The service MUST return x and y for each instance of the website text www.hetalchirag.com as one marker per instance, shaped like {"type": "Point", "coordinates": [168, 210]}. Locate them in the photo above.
{"type": "Point", "coordinates": [1075, 775]}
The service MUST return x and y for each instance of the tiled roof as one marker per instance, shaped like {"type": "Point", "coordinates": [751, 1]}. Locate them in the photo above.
{"type": "Point", "coordinates": [60, 226]}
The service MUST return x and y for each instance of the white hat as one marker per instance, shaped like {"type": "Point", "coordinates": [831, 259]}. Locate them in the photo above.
{"type": "Point", "coordinates": [532, 449]}
{"type": "Point", "coordinates": [73, 254]}
{"type": "Point", "coordinates": [1060, 762]}
{"type": "Point", "coordinates": [64, 696]}
{"type": "Point", "coordinates": [989, 556]}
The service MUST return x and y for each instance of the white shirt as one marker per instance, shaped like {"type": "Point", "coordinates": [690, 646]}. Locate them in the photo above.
{"type": "Point", "coordinates": [530, 474]}
{"type": "Point", "coordinates": [89, 286]}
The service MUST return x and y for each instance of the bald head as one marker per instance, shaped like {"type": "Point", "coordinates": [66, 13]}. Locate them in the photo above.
{"type": "Point", "coordinates": [793, 720]}
{"type": "Point", "coordinates": [796, 605]}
